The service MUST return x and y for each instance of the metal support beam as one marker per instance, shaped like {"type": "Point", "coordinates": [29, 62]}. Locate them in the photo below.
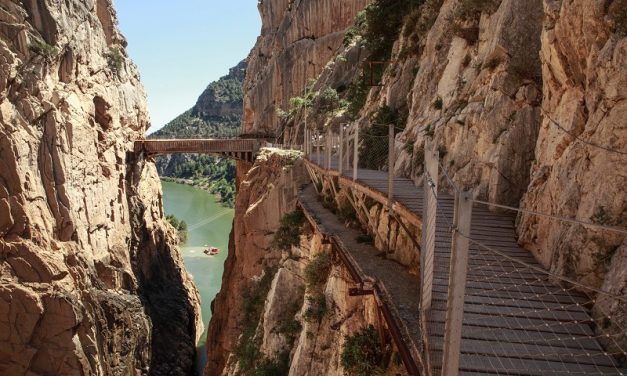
{"type": "Point", "coordinates": [457, 284]}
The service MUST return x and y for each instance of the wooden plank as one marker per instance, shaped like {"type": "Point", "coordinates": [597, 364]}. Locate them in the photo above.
{"type": "Point", "coordinates": [529, 367]}
{"type": "Point", "coordinates": [525, 324]}
{"type": "Point", "coordinates": [541, 352]}
{"type": "Point", "coordinates": [543, 313]}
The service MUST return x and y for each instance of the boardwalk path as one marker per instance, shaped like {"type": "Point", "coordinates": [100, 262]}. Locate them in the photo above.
{"type": "Point", "coordinates": [516, 321]}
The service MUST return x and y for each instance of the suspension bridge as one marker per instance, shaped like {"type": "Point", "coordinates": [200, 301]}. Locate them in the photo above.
{"type": "Point", "coordinates": [482, 304]}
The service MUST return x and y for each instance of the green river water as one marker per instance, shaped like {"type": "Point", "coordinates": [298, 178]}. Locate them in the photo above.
{"type": "Point", "coordinates": [208, 223]}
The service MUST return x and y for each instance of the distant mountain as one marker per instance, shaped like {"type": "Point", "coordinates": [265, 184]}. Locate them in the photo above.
{"type": "Point", "coordinates": [217, 113]}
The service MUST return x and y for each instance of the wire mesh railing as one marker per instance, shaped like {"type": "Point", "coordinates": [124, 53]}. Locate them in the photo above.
{"type": "Point", "coordinates": [487, 306]}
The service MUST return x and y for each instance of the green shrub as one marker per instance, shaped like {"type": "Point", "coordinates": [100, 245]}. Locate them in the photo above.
{"type": "Point", "coordinates": [602, 217]}
{"type": "Point", "coordinates": [472, 9]}
{"type": "Point", "coordinates": [373, 150]}
{"type": "Point", "coordinates": [438, 103]}
{"type": "Point", "coordinates": [276, 367]}
{"type": "Point", "coordinates": [247, 350]}
{"type": "Point", "coordinates": [362, 354]}
{"type": "Point", "coordinates": [328, 202]}
{"type": "Point", "coordinates": [356, 30]}
{"type": "Point", "coordinates": [364, 238]}
{"type": "Point", "coordinates": [409, 146]}
{"type": "Point", "coordinates": [618, 13]}
{"type": "Point", "coordinates": [317, 271]}
{"type": "Point", "coordinates": [115, 59]}
{"type": "Point", "coordinates": [419, 159]}
{"type": "Point", "coordinates": [526, 66]}
{"type": "Point", "coordinates": [288, 234]}
{"type": "Point", "coordinates": [40, 47]}
{"type": "Point", "coordinates": [346, 212]}
{"type": "Point", "coordinates": [179, 225]}
{"type": "Point", "coordinates": [317, 307]}
{"type": "Point", "coordinates": [384, 19]}
{"type": "Point", "coordinates": [357, 95]}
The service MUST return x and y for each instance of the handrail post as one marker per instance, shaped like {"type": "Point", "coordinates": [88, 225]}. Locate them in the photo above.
{"type": "Point", "coordinates": [391, 161]}
{"type": "Point", "coordinates": [429, 210]}
{"type": "Point", "coordinates": [305, 142]}
{"type": "Point", "coordinates": [457, 284]}
{"type": "Point", "coordinates": [318, 140]}
{"type": "Point", "coordinates": [329, 147]}
{"type": "Point", "coordinates": [340, 165]}
{"type": "Point", "coordinates": [356, 152]}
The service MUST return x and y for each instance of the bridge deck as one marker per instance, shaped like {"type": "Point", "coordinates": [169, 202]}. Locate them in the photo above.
{"type": "Point", "coordinates": [236, 148]}
{"type": "Point", "coordinates": [516, 320]}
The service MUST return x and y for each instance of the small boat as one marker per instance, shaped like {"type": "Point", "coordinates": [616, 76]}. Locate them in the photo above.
{"type": "Point", "coordinates": [211, 251]}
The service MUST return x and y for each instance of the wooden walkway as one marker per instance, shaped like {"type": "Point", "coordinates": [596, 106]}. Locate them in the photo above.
{"type": "Point", "coordinates": [236, 148]}
{"type": "Point", "coordinates": [516, 320]}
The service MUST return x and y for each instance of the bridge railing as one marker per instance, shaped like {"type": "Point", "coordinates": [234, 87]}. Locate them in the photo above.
{"type": "Point", "coordinates": [561, 324]}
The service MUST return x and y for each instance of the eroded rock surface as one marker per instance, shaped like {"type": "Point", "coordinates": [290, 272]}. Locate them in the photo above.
{"type": "Point", "coordinates": [91, 281]}
{"type": "Point", "coordinates": [266, 191]}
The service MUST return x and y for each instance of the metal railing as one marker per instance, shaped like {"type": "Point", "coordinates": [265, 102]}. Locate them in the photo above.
{"type": "Point", "coordinates": [496, 310]}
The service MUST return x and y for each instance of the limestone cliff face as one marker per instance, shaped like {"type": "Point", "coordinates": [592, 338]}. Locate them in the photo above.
{"type": "Point", "coordinates": [524, 99]}
{"type": "Point", "coordinates": [580, 157]}
{"type": "Point", "coordinates": [298, 38]}
{"type": "Point", "coordinates": [265, 192]}
{"type": "Point", "coordinates": [91, 281]}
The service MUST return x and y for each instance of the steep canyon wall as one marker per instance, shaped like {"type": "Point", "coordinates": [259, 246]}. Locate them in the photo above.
{"type": "Point", "coordinates": [91, 280]}
{"type": "Point", "coordinates": [524, 99]}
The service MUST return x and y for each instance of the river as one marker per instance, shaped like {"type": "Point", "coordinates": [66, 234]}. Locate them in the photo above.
{"type": "Point", "coordinates": [208, 223]}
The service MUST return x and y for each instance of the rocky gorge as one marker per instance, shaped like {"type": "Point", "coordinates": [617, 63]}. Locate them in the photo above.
{"type": "Point", "coordinates": [525, 101]}
{"type": "Point", "coordinates": [91, 279]}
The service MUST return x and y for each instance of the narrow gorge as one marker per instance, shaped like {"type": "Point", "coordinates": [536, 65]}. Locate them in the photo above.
{"type": "Point", "coordinates": [522, 103]}
{"type": "Point", "coordinates": [91, 278]}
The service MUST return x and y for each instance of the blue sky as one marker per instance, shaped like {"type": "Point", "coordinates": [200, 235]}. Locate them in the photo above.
{"type": "Point", "coordinates": [181, 46]}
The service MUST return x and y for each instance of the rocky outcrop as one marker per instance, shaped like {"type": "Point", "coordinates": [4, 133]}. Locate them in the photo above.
{"type": "Point", "coordinates": [91, 281]}
{"type": "Point", "coordinates": [580, 156]}
{"type": "Point", "coordinates": [223, 98]}
{"type": "Point", "coordinates": [266, 191]}
{"type": "Point", "coordinates": [524, 99]}
{"type": "Point", "coordinates": [298, 38]}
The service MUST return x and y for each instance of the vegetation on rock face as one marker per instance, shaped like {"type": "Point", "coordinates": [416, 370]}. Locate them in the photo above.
{"type": "Point", "coordinates": [115, 59]}
{"type": "Point", "coordinates": [40, 47]}
{"type": "Point", "coordinates": [288, 234]}
{"type": "Point", "coordinates": [248, 352]}
{"type": "Point", "coordinates": [373, 151]}
{"type": "Point", "coordinates": [618, 14]}
{"type": "Point", "coordinates": [316, 276]}
{"type": "Point", "coordinates": [317, 271]}
{"type": "Point", "coordinates": [179, 225]}
{"type": "Point", "coordinates": [362, 354]}
{"type": "Point", "coordinates": [384, 19]}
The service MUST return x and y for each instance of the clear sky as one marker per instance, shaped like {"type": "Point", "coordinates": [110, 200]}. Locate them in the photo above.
{"type": "Point", "coordinates": [181, 46]}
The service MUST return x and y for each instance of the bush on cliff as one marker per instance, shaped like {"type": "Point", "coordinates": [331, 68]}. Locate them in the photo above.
{"type": "Point", "coordinates": [317, 271]}
{"type": "Point", "coordinates": [179, 225]}
{"type": "Point", "coordinates": [362, 354]}
{"type": "Point", "coordinates": [288, 234]}
{"type": "Point", "coordinates": [254, 296]}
